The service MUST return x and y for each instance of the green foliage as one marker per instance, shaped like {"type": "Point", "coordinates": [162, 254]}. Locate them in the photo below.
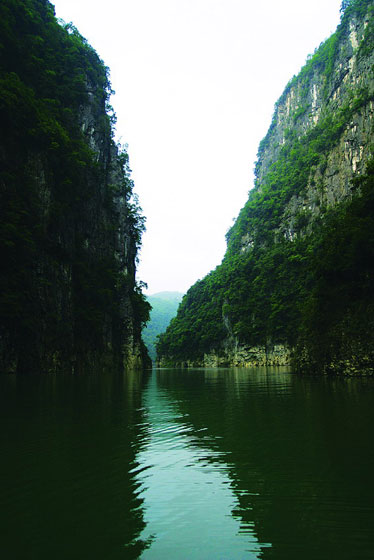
{"type": "Point", "coordinates": [198, 324]}
{"type": "Point", "coordinates": [337, 318]}
{"type": "Point", "coordinates": [289, 174]}
{"type": "Point", "coordinates": [322, 61]}
{"type": "Point", "coordinates": [141, 307]}
{"type": "Point", "coordinates": [367, 45]}
{"type": "Point", "coordinates": [164, 308]}
{"type": "Point", "coordinates": [60, 218]}
{"type": "Point", "coordinates": [311, 289]}
{"type": "Point", "coordinates": [250, 297]}
{"type": "Point", "coordinates": [344, 5]}
{"type": "Point", "coordinates": [304, 293]}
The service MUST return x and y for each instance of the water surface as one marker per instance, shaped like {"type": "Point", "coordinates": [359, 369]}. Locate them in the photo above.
{"type": "Point", "coordinates": [200, 464]}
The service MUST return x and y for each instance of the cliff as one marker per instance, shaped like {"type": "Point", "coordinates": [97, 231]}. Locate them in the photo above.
{"type": "Point", "coordinates": [70, 226]}
{"type": "Point", "coordinates": [296, 282]}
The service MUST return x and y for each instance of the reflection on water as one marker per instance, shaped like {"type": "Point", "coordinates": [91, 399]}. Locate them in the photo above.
{"type": "Point", "coordinates": [67, 488]}
{"type": "Point", "coordinates": [282, 466]}
{"type": "Point", "coordinates": [188, 497]}
{"type": "Point", "coordinates": [186, 465]}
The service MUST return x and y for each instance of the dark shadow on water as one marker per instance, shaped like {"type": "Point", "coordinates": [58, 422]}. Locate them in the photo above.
{"type": "Point", "coordinates": [299, 452]}
{"type": "Point", "coordinates": [69, 445]}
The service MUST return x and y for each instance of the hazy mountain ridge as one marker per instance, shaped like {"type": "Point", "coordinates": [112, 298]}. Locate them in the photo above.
{"type": "Point", "coordinates": [296, 282]}
{"type": "Point", "coordinates": [164, 308]}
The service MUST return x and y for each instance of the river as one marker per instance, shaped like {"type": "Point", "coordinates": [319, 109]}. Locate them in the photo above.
{"type": "Point", "coordinates": [204, 464]}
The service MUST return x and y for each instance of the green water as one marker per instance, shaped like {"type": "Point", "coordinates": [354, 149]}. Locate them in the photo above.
{"type": "Point", "coordinates": [203, 464]}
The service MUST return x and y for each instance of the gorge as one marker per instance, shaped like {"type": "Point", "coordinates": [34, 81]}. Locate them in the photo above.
{"type": "Point", "coordinates": [223, 452]}
{"type": "Point", "coordinates": [296, 283]}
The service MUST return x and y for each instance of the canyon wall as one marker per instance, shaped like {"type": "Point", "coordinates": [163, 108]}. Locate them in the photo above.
{"type": "Point", "coordinates": [70, 225]}
{"type": "Point", "coordinates": [296, 283]}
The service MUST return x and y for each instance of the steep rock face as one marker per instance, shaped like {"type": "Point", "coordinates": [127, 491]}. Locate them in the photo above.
{"type": "Point", "coordinates": [295, 284]}
{"type": "Point", "coordinates": [346, 86]}
{"type": "Point", "coordinates": [70, 227]}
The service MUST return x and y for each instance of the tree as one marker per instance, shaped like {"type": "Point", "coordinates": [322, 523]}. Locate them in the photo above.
{"type": "Point", "coordinates": [344, 5]}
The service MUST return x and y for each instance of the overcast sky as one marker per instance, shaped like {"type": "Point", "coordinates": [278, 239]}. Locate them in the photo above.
{"type": "Point", "coordinates": [196, 82]}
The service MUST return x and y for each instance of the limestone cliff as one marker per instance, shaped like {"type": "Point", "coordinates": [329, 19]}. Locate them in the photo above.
{"type": "Point", "coordinates": [70, 227]}
{"type": "Point", "coordinates": [334, 89]}
{"type": "Point", "coordinates": [297, 279]}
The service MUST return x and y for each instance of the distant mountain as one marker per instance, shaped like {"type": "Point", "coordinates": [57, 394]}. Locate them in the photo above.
{"type": "Point", "coordinates": [167, 296]}
{"type": "Point", "coordinates": [164, 308]}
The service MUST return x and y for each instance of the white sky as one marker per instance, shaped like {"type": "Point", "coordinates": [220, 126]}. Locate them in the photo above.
{"type": "Point", "coordinates": [196, 82]}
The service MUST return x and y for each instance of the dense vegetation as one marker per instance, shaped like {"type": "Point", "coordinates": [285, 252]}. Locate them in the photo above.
{"type": "Point", "coordinates": [315, 292]}
{"type": "Point", "coordinates": [62, 181]}
{"type": "Point", "coordinates": [306, 284]}
{"type": "Point", "coordinates": [164, 308]}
